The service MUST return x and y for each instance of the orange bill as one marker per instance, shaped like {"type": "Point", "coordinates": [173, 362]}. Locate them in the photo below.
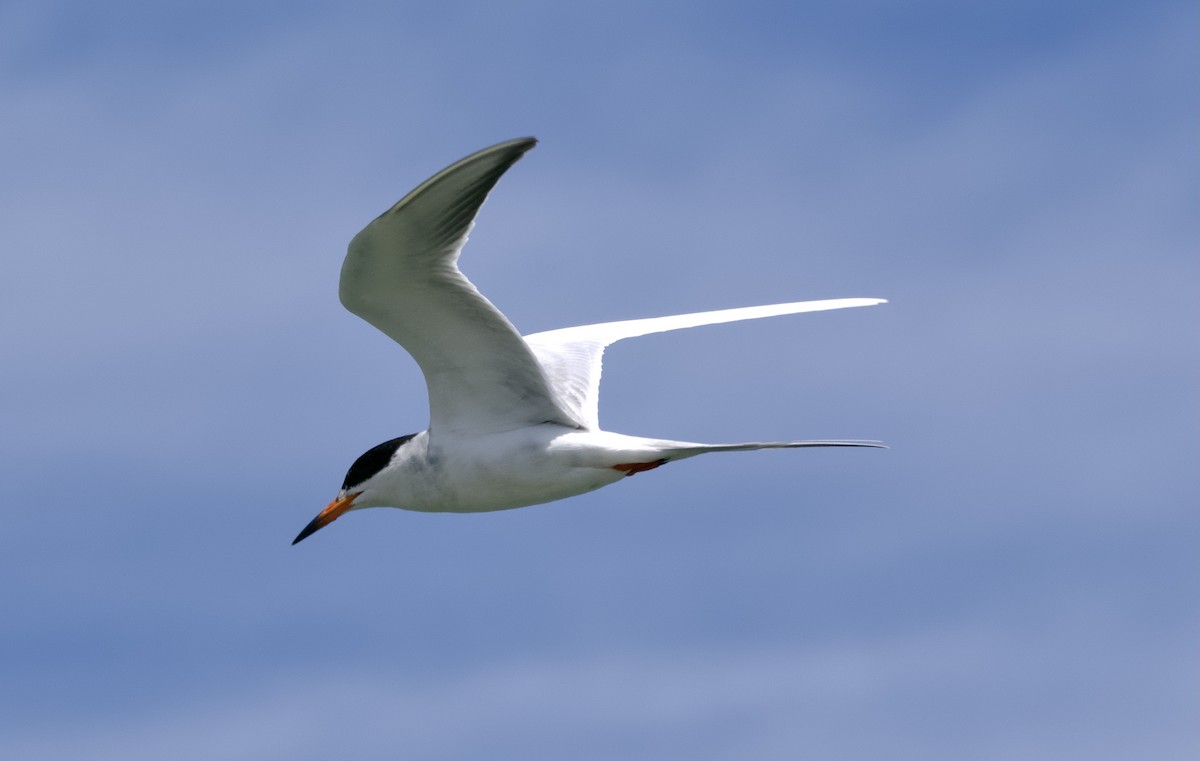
{"type": "Point", "coordinates": [331, 513]}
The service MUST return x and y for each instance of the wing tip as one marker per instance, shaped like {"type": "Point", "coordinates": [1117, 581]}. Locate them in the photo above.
{"type": "Point", "coordinates": [517, 145]}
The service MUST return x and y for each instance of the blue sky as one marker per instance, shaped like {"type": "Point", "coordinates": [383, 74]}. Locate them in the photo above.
{"type": "Point", "coordinates": [1015, 578]}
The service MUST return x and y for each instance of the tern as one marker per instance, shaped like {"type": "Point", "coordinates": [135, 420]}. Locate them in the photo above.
{"type": "Point", "coordinates": [513, 421]}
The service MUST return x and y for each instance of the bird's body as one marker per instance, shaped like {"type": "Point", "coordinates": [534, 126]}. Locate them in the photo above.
{"type": "Point", "coordinates": [503, 470]}
{"type": "Point", "coordinates": [513, 420]}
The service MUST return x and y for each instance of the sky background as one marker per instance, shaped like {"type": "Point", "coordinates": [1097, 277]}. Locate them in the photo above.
{"type": "Point", "coordinates": [1018, 577]}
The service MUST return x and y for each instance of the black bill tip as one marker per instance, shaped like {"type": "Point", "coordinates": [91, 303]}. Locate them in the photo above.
{"type": "Point", "coordinates": [313, 526]}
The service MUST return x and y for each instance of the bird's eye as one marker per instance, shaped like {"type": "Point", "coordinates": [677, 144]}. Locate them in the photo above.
{"type": "Point", "coordinates": [372, 461]}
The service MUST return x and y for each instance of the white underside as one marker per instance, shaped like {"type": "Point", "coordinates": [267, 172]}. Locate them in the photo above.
{"type": "Point", "coordinates": [501, 471]}
{"type": "Point", "coordinates": [528, 466]}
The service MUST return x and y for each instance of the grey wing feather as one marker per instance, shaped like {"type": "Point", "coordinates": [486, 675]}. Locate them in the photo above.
{"type": "Point", "coordinates": [401, 275]}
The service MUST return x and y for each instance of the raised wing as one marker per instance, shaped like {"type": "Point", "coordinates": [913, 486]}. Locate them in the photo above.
{"type": "Point", "coordinates": [572, 357]}
{"type": "Point", "coordinates": [401, 275]}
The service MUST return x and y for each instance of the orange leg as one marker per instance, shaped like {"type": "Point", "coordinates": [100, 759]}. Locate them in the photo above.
{"type": "Point", "coordinates": [629, 468]}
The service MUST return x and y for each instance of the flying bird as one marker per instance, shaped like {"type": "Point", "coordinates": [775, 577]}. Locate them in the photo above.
{"type": "Point", "coordinates": [513, 421]}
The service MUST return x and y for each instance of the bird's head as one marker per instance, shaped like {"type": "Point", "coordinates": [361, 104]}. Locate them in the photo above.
{"type": "Point", "coordinates": [356, 488]}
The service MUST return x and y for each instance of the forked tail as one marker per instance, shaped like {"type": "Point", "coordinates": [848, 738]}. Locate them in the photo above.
{"type": "Point", "coordinates": [691, 450]}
